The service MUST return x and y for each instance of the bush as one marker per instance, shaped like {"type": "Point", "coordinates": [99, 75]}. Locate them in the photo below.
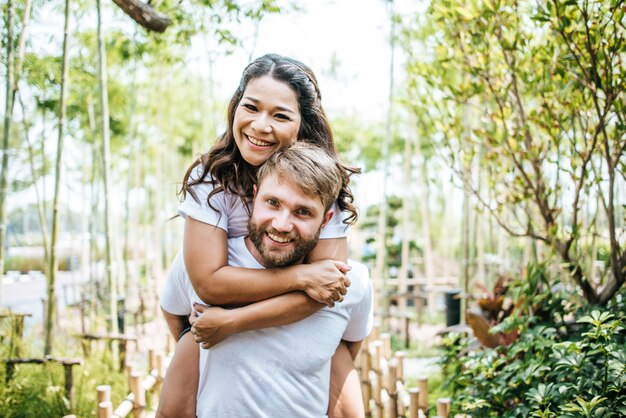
{"type": "Point", "coordinates": [567, 361]}
{"type": "Point", "coordinates": [38, 390]}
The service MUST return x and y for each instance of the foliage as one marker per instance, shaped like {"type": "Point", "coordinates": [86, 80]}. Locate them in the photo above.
{"type": "Point", "coordinates": [530, 94]}
{"type": "Point", "coordinates": [38, 390]}
{"type": "Point", "coordinates": [558, 367]}
{"type": "Point", "coordinates": [493, 308]}
{"type": "Point", "coordinates": [216, 18]}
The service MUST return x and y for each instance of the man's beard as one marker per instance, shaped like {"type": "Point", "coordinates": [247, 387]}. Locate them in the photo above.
{"type": "Point", "coordinates": [301, 246]}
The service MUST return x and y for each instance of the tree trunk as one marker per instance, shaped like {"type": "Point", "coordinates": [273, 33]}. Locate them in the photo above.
{"type": "Point", "coordinates": [428, 259]}
{"type": "Point", "coordinates": [53, 265]}
{"type": "Point", "coordinates": [39, 198]}
{"type": "Point", "coordinates": [144, 14]}
{"type": "Point", "coordinates": [94, 295]}
{"type": "Point", "coordinates": [5, 139]}
{"type": "Point", "coordinates": [406, 225]}
{"type": "Point", "coordinates": [104, 109]}
{"type": "Point", "coordinates": [380, 267]}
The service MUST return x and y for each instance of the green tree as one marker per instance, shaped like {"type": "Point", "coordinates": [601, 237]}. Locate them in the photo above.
{"type": "Point", "coordinates": [53, 265]}
{"type": "Point", "coordinates": [534, 91]}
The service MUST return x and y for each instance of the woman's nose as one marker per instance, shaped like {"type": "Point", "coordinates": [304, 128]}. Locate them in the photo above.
{"type": "Point", "coordinates": [262, 123]}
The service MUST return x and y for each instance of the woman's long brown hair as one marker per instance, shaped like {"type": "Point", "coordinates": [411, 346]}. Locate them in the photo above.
{"type": "Point", "coordinates": [224, 167]}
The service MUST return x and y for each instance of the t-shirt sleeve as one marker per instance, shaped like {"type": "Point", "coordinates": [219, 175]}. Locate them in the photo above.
{"type": "Point", "coordinates": [362, 315]}
{"type": "Point", "coordinates": [175, 293]}
{"type": "Point", "coordinates": [335, 228]}
{"type": "Point", "coordinates": [200, 209]}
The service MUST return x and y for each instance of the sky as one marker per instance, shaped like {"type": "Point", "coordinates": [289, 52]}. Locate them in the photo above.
{"type": "Point", "coordinates": [352, 33]}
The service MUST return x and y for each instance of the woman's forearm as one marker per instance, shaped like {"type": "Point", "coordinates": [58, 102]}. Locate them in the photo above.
{"type": "Point", "coordinates": [277, 311]}
{"type": "Point", "coordinates": [235, 285]}
{"type": "Point", "coordinates": [213, 324]}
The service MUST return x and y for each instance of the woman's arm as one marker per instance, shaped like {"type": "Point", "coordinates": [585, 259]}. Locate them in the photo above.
{"type": "Point", "coordinates": [206, 257]}
{"type": "Point", "coordinates": [211, 325]}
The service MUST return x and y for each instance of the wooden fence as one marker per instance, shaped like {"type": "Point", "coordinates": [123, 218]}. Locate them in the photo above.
{"type": "Point", "coordinates": [383, 382]}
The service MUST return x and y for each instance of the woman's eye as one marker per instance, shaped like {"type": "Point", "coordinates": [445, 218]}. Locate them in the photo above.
{"type": "Point", "coordinates": [282, 116]}
{"type": "Point", "coordinates": [250, 107]}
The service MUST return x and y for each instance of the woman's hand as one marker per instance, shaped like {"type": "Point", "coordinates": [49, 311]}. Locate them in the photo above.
{"type": "Point", "coordinates": [211, 325]}
{"type": "Point", "coordinates": [324, 281]}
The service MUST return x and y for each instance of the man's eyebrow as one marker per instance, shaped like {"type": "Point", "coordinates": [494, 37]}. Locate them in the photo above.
{"type": "Point", "coordinates": [280, 108]}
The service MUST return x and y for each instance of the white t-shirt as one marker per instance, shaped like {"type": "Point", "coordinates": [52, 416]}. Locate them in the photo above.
{"type": "Point", "coordinates": [232, 215]}
{"type": "Point", "coordinates": [273, 372]}
{"type": "Point", "coordinates": [282, 371]}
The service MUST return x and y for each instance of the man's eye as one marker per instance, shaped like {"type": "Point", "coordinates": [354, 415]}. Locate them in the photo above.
{"type": "Point", "coordinates": [272, 202]}
{"type": "Point", "coordinates": [304, 212]}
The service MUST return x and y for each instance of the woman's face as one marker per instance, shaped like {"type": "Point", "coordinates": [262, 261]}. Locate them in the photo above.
{"type": "Point", "coordinates": [266, 119]}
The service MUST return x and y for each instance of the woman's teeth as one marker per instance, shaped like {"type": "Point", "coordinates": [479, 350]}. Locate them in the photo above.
{"type": "Point", "coordinates": [259, 142]}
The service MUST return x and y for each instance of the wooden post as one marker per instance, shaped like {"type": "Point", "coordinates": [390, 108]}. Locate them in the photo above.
{"type": "Point", "coordinates": [366, 381]}
{"type": "Point", "coordinates": [391, 387]}
{"type": "Point", "coordinates": [69, 384]}
{"type": "Point", "coordinates": [390, 410]}
{"type": "Point", "coordinates": [414, 393]}
{"type": "Point", "coordinates": [422, 384]}
{"type": "Point", "coordinates": [375, 330]}
{"type": "Point", "coordinates": [443, 407]}
{"type": "Point", "coordinates": [159, 367]}
{"type": "Point", "coordinates": [105, 409]}
{"type": "Point", "coordinates": [386, 339]}
{"type": "Point", "coordinates": [378, 354]}
{"type": "Point", "coordinates": [419, 310]}
{"type": "Point", "coordinates": [139, 400]}
{"type": "Point", "coordinates": [407, 336]}
{"type": "Point", "coordinates": [104, 393]}
{"type": "Point", "coordinates": [169, 343]}
{"type": "Point", "coordinates": [122, 348]}
{"type": "Point", "coordinates": [19, 333]}
{"type": "Point", "coordinates": [158, 372]}
{"type": "Point", "coordinates": [151, 360]}
{"type": "Point", "coordinates": [400, 355]}
{"type": "Point", "coordinates": [9, 372]}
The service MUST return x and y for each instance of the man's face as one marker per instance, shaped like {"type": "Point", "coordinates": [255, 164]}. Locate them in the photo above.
{"type": "Point", "coordinates": [285, 223]}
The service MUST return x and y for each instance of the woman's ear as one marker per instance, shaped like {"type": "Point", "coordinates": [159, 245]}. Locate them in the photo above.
{"type": "Point", "coordinates": [254, 191]}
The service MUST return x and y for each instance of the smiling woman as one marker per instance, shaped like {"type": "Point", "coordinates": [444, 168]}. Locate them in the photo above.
{"type": "Point", "coordinates": [276, 104]}
{"type": "Point", "coordinates": [266, 120]}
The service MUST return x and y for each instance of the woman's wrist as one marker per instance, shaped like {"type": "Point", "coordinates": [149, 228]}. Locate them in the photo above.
{"type": "Point", "coordinates": [294, 277]}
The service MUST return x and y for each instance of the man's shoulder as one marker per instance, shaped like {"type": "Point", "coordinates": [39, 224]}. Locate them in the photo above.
{"type": "Point", "coordinates": [359, 277]}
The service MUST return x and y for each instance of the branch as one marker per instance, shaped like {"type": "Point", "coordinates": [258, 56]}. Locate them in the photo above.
{"type": "Point", "coordinates": [144, 14]}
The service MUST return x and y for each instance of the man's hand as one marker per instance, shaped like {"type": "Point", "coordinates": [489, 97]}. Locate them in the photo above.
{"type": "Point", "coordinates": [325, 281]}
{"type": "Point", "coordinates": [210, 325]}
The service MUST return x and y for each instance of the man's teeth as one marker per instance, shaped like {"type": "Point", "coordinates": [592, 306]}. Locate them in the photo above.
{"type": "Point", "coordinates": [259, 142]}
{"type": "Point", "coordinates": [278, 238]}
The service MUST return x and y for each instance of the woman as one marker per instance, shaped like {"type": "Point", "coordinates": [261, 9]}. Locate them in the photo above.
{"type": "Point", "coordinates": [276, 104]}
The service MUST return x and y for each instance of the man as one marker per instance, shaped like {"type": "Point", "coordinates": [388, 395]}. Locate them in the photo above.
{"type": "Point", "coordinates": [285, 371]}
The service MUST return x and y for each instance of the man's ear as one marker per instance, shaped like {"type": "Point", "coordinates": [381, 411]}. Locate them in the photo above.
{"type": "Point", "coordinates": [254, 189]}
{"type": "Point", "coordinates": [329, 214]}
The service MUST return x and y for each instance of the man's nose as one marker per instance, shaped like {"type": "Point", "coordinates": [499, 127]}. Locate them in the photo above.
{"type": "Point", "coordinates": [282, 222]}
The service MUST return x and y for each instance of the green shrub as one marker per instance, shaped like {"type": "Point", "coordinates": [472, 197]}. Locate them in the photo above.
{"type": "Point", "coordinates": [38, 390]}
{"type": "Point", "coordinates": [567, 362]}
